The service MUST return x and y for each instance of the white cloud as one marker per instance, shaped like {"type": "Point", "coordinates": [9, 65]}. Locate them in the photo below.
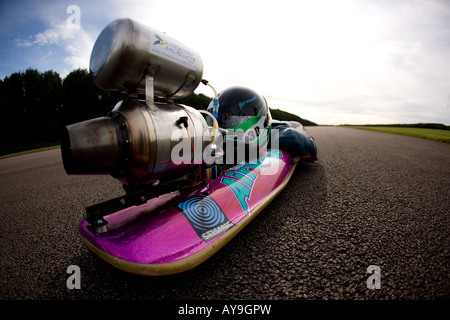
{"type": "Point", "coordinates": [23, 43]}
{"type": "Point", "coordinates": [76, 43]}
{"type": "Point", "coordinates": [331, 61]}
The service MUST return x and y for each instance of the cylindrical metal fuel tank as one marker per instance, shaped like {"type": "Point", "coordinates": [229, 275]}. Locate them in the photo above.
{"type": "Point", "coordinates": [126, 51]}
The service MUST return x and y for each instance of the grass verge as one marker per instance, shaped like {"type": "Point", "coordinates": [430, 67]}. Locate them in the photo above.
{"type": "Point", "coordinates": [432, 134]}
{"type": "Point", "coordinates": [29, 151]}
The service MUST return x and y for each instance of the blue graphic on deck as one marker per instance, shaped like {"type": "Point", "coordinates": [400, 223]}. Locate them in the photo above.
{"type": "Point", "coordinates": [241, 179]}
{"type": "Point", "coordinates": [205, 217]}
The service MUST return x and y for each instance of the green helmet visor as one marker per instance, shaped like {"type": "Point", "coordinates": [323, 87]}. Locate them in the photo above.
{"type": "Point", "coordinates": [242, 122]}
{"type": "Point", "coordinates": [251, 131]}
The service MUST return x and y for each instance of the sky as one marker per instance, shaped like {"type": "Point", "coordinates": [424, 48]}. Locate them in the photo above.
{"type": "Point", "coordinates": [329, 61]}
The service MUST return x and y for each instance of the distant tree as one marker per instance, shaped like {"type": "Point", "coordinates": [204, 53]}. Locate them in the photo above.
{"type": "Point", "coordinates": [37, 119]}
{"type": "Point", "coordinates": [82, 100]}
{"type": "Point", "coordinates": [51, 102]}
{"type": "Point", "coordinates": [438, 126]}
{"type": "Point", "coordinates": [32, 90]}
{"type": "Point", "coordinates": [35, 106]}
{"type": "Point", "coordinates": [286, 116]}
{"type": "Point", "coordinates": [197, 101]}
{"type": "Point", "coordinates": [14, 108]}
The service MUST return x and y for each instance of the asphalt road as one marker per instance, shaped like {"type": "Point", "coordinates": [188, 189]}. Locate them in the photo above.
{"type": "Point", "coordinates": [371, 199]}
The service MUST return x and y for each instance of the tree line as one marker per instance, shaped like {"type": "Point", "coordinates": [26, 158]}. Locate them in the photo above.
{"type": "Point", "coordinates": [35, 106]}
{"type": "Point", "coordinates": [438, 126]}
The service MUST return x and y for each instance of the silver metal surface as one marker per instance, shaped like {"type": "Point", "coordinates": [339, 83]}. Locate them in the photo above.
{"type": "Point", "coordinates": [138, 144]}
{"type": "Point", "coordinates": [94, 146]}
{"type": "Point", "coordinates": [126, 51]}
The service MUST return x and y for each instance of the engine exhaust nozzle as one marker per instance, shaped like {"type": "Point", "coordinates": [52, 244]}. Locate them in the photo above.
{"type": "Point", "coordinates": [136, 143]}
{"type": "Point", "coordinates": [95, 146]}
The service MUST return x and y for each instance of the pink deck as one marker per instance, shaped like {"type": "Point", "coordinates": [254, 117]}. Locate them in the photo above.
{"type": "Point", "coordinates": [180, 224]}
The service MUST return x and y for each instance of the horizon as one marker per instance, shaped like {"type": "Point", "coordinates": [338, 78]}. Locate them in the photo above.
{"type": "Point", "coordinates": [272, 108]}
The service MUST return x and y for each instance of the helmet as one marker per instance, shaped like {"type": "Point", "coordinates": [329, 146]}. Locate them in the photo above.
{"type": "Point", "coordinates": [242, 109]}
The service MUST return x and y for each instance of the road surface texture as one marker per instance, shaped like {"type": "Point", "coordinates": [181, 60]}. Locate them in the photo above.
{"type": "Point", "coordinates": [372, 199]}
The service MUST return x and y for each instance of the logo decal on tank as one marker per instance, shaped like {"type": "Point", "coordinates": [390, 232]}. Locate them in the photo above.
{"type": "Point", "coordinates": [205, 216]}
{"type": "Point", "coordinates": [159, 40]}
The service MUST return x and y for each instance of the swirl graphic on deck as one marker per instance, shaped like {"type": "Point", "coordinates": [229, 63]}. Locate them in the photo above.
{"type": "Point", "coordinates": [205, 217]}
{"type": "Point", "coordinates": [203, 212]}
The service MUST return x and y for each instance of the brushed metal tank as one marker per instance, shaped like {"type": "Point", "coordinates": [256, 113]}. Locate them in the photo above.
{"type": "Point", "coordinates": [126, 51]}
{"type": "Point", "coordinates": [137, 144]}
